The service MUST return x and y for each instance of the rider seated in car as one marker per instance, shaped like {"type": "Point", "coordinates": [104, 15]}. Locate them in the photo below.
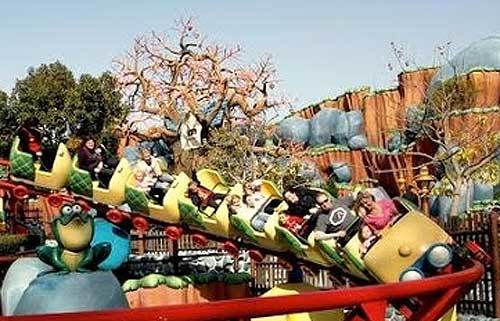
{"type": "Point", "coordinates": [252, 194]}
{"type": "Point", "coordinates": [301, 206]}
{"type": "Point", "coordinates": [376, 214]}
{"type": "Point", "coordinates": [30, 138]}
{"type": "Point", "coordinates": [334, 217]}
{"type": "Point", "coordinates": [149, 185]}
{"type": "Point", "coordinates": [151, 166]}
{"type": "Point", "coordinates": [367, 238]}
{"type": "Point", "coordinates": [203, 197]}
{"type": "Point", "coordinates": [92, 160]}
{"type": "Point", "coordinates": [234, 204]}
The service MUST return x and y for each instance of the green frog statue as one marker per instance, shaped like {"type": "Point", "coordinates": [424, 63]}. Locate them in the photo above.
{"type": "Point", "coordinates": [74, 230]}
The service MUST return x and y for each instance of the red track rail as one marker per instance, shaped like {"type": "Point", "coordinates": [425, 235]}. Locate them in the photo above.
{"type": "Point", "coordinates": [444, 291]}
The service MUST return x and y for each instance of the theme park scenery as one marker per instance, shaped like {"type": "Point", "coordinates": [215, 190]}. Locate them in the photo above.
{"type": "Point", "coordinates": [363, 192]}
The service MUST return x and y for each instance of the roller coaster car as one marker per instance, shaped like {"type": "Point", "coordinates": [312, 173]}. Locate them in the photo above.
{"type": "Point", "coordinates": [246, 217]}
{"type": "Point", "coordinates": [80, 183]}
{"type": "Point", "coordinates": [413, 247]}
{"type": "Point", "coordinates": [347, 249]}
{"type": "Point", "coordinates": [212, 220]}
{"type": "Point", "coordinates": [344, 252]}
{"type": "Point", "coordinates": [168, 211]}
{"type": "Point", "coordinates": [24, 169]}
{"type": "Point", "coordinates": [307, 249]}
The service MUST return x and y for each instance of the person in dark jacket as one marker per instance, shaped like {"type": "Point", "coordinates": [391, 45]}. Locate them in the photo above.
{"type": "Point", "coordinates": [300, 201]}
{"type": "Point", "coordinates": [301, 207]}
{"type": "Point", "coordinates": [91, 160]}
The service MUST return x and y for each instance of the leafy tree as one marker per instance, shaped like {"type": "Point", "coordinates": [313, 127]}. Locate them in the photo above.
{"type": "Point", "coordinates": [464, 133]}
{"type": "Point", "coordinates": [65, 106]}
{"type": "Point", "coordinates": [5, 124]}
{"type": "Point", "coordinates": [239, 157]}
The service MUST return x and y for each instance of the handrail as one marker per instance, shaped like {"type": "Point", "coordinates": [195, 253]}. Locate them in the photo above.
{"type": "Point", "coordinates": [452, 284]}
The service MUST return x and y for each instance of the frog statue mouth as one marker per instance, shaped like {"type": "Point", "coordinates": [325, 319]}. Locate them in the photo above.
{"type": "Point", "coordinates": [75, 231]}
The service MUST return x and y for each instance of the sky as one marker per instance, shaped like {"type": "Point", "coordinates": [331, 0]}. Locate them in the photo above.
{"type": "Point", "coordinates": [320, 48]}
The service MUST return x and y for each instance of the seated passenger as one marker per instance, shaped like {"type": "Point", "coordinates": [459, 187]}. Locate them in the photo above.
{"type": "Point", "coordinates": [148, 185]}
{"type": "Point", "coordinates": [301, 210]}
{"type": "Point", "coordinates": [253, 194]}
{"type": "Point", "coordinates": [30, 138]}
{"type": "Point", "coordinates": [376, 214]}
{"type": "Point", "coordinates": [333, 219]}
{"type": "Point", "coordinates": [367, 237]}
{"type": "Point", "coordinates": [292, 222]}
{"type": "Point", "coordinates": [203, 197]}
{"type": "Point", "coordinates": [142, 181]}
{"type": "Point", "coordinates": [151, 166]}
{"type": "Point", "coordinates": [92, 160]}
{"type": "Point", "coordinates": [300, 201]}
{"type": "Point", "coordinates": [234, 204]}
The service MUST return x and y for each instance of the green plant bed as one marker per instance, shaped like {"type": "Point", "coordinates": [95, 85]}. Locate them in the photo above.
{"type": "Point", "coordinates": [180, 282]}
{"type": "Point", "coordinates": [11, 243]}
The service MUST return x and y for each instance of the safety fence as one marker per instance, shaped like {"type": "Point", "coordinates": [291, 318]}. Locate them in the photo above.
{"type": "Point", "coordinates": [483, 228]}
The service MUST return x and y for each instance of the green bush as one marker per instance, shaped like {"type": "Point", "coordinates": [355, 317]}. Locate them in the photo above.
{"type": "Point", "coordinates": [11, 243]}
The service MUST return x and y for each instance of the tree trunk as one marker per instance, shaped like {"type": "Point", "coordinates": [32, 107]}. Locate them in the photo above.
{"type": "Point", "coordinates": [455, 199]}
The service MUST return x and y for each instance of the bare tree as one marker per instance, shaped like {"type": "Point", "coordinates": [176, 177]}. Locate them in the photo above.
{"type": "Point", "coordinates": [468, 140]}
{"type": "Point", "coordinates": [171, 76]}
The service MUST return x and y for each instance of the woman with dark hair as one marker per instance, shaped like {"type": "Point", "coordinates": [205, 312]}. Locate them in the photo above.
{"type": "Point", "coordinates": [91, 159]}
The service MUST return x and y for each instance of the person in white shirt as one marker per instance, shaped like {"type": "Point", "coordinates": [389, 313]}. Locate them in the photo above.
{"type": "Point", "coordinates": [151, 167]}
{"type": "Point", "coordinates": [143, 182]}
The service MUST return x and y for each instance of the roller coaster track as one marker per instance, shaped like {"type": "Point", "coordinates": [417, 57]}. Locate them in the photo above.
{"type": "Point", "coordinates": [432, 297]}
{"type": "Point", "coordinates": [436, 294]}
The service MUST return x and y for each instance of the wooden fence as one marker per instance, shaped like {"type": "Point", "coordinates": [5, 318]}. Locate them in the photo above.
{"type": "Point", "coordinates": [270, 273]}
{"type": "Point", "coordinates": [156, 241]}
{"type": "Point", "coordinates": [482, 228]}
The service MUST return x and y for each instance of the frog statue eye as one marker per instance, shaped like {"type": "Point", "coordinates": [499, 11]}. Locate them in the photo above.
{"type": "Point", "coordinates": [77, 208]}
{"type": "Point", "coordinates": [66, 210]}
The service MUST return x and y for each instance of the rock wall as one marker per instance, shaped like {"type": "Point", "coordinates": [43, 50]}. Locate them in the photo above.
{"type": "Point", "coordinates": [384, 112]}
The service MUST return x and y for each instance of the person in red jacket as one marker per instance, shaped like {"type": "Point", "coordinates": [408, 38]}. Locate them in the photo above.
{"type": "Point", "coordinates": [202, 197]}
{"type": "Point", "coordinates": [30, 139]}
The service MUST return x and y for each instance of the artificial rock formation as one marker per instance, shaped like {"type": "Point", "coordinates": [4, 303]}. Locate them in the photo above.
{"type": "Point", "coordinates": [384, 113]}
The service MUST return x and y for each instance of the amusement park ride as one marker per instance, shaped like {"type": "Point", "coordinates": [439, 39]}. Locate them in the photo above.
{"type": "Point", "coordinates": [413, 265]}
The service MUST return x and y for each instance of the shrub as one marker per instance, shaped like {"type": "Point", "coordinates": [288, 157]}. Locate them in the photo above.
{"type": "Point", "coordinates": [11, 243]}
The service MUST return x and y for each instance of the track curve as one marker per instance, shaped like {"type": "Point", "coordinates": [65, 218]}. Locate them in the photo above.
{"type": "Point", "coordinates": [444, 290]}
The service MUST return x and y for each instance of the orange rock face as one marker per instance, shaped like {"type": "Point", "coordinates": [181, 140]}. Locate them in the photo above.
{"type": "Point", "coordinates": [384, 112]}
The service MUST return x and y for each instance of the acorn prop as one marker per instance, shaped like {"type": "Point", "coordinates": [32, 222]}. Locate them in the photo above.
{"type": "Point", "coordinates": [73, 231]}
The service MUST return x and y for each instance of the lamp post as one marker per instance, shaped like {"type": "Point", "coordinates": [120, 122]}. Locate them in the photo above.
{"type": "Point", "coordinates": [424, 180]}
{"type": "Point", "coordinates": [401, 182]}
